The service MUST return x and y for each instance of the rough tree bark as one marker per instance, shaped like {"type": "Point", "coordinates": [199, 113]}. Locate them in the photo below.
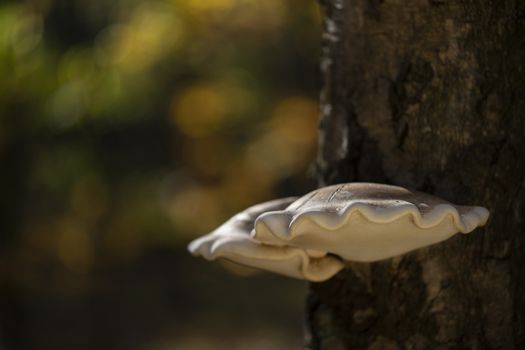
{"type": "Point", "coordinates": [427, 94]}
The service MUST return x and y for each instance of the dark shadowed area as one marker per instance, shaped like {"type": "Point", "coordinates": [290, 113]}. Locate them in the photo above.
{"type": "Point", "coordinates": [128, 128]}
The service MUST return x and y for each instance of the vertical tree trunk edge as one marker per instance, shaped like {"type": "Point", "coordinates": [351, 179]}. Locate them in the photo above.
{"type": "Point", "coordinates": [427, 94]}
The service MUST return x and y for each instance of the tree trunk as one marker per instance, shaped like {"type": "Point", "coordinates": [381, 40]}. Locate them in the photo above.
{"type": "Point", "coordinates": [427, 94]}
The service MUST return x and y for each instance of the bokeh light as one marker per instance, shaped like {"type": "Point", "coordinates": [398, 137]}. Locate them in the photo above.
{"type": "Point", "coordinates": [128, 128]}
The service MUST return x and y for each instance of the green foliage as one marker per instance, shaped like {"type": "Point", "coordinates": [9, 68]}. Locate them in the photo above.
{"type": "Point", "coordinates": [162, 116]}
{"type": "Point", "coordinates": [127, 128]}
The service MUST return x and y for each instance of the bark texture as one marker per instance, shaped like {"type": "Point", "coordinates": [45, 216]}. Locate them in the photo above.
{"type": "Point", "coordinates": [427, 94]}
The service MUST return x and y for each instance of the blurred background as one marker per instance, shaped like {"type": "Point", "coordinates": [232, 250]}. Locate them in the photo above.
{"type": "Point", "coordinates": [128, 128]}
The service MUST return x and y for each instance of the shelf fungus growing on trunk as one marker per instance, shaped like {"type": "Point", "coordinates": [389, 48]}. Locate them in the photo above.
{"type": "Point", "coordinates": [311, 236]}
{"type": "Point", "coordinates": [234, 241]}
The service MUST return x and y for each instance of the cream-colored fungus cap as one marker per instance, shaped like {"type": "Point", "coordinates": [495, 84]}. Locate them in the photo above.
{"type": "Point", "coordinates": [366, 222]}
{"type": "Point", "coordinates": [308, 238]}
{"type": "Point", "coordinates": [234, 242]}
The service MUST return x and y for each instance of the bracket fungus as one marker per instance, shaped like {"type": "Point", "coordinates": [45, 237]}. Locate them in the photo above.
{"type": "Point", "coordinates": [310, 237]}
{"type": "Point", "coordinates": [234, 241]}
